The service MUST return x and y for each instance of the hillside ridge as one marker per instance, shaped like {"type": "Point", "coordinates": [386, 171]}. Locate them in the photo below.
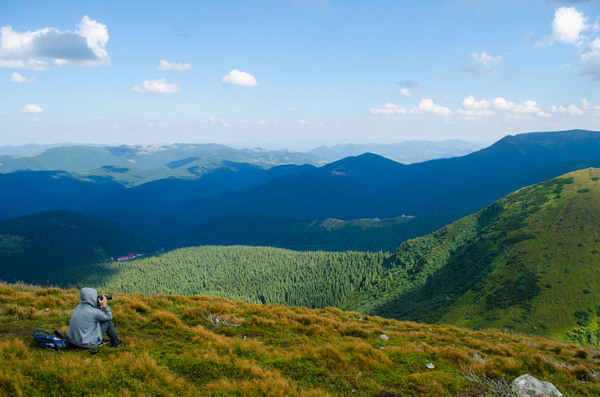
{"type": "Point", "coordinates": [195, 345]}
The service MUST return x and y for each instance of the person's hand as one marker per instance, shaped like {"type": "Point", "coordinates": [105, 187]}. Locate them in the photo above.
{"type": "Point", "coordinates": [103, 301]}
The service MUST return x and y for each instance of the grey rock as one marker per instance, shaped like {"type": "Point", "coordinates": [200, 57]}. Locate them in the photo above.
{"type": "Point", "coordinates": [528, 386]}
{"type": "Point", "coordinates": [384, 337]}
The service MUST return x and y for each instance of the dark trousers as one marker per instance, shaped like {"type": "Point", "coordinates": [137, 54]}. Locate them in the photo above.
{"type": "Point", "coordinates": [109, 329]}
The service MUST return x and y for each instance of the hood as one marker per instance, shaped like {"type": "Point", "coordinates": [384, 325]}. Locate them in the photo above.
{"type": "Point", "coordinates": [89, 296]}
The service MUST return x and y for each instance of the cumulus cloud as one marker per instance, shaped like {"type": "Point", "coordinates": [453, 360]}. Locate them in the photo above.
{"type": "Point", "coordinates": [17, 78]}
{"type": "Point", "coordinates": [472, 107]}
{"type": "Point", "coordinates": [30, 108]}
{"type": "Point", "coordinates": [389, 109]}
{"type": "Point", "coordinates": [160, 86]}
{"type": "Point", "coordinates": [588, 106]}
{"type": "Point", "coordinates": [406, 92]}
{"type": "Point", "coordinates": [165, 66]}
{"type": "Point", "coordinates": [568, 24]}
{"type": "Point", "coordinates": [526, 108]}
{"type": "Point", "coordinates": [571, 109]}
{"type": "Point", "coordinates": [591, 56]}
{"type": "Point", "coordinates": [235, 77]}
{"type": "Point", "coordinates": [427, 106]}
{"type": "Point", "coordinates": [488, 64]}
{"type": "Point", "coordinates": [49, 47]}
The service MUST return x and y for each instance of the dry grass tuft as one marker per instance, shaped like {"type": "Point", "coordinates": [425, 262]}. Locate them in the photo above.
{"type": "Point", "coordinates": [164, 319]}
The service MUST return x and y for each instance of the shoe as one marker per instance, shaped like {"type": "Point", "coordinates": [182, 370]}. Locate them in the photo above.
{"type": "Point", "coordinates": [120, 344]}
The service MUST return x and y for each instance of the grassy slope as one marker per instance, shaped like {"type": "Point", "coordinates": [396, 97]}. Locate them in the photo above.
{"type": "Point", "coordinates": [175, 351]}
{"type": "Point", "coordinates": [554, 269]}
{"type": "Point", "coordinates": [530, 264]}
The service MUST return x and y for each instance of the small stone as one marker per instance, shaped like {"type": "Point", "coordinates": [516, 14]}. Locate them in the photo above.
{"type": "Point", "coordinates": [528, 386]}
{"type": "Point", "coordinates": [430, 365]}
{"type": "Point", "coordinates": [384, 337]}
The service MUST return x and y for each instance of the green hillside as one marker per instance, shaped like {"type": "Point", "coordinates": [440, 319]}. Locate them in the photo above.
{"type": "Point", "coordinates": [532, 266]}
{"type": "Point", "coordinates": [527, 263]}
{"type": "Point", "coordinates": [201, 346]}
{"type": "Point", "coordinates": [330, 234]}
{"type": "Point", "coordinates": [38, 244]}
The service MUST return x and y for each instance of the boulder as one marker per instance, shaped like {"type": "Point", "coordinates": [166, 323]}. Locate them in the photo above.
{"type": "Point", "coordinates": [528, 386]}
{"type": "Point", "coordinates": [384, 337]}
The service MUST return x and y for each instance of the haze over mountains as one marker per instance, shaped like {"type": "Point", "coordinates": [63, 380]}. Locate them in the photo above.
{"type": "Point", "coordinates": [201, 188]}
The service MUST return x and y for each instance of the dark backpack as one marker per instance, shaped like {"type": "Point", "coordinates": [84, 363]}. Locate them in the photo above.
{"type": "Point", "coordinates": [44, 339]}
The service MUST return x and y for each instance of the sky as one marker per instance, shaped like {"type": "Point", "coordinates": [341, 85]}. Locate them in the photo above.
{"type": "Point", "coordinates": [295, 73]}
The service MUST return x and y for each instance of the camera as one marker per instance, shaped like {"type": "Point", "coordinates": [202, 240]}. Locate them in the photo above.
{"type": "Point", "coordinates": [108, 297]}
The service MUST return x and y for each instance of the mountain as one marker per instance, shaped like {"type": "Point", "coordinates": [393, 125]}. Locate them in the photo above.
{"type": "Point", "coordinates": [329, 234]}
{"type": "Point", "coordinates": [362, 187]}
{"type": "Point", "coordinates": [405, 152]}
{"type": "Point", "coordinates": [135, 165]}
{"type": "Point", "coordinates": [26, 192]}
{"type": "Point", "coordinates": [370, 186]}
{"type": "Point", "coordinates": [49, 241]}
{"type": "Point", "coordinates": [529, 262]}
{"type": "Point", "coordinates": [200, 346]}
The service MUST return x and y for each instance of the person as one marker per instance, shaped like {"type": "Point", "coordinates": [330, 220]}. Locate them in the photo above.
{"type": "Point", "coordinates": [88, 323]}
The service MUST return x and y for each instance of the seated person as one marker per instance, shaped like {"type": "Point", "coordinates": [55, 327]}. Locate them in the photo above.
{"type": "Point", "coordinates": [88, 322]}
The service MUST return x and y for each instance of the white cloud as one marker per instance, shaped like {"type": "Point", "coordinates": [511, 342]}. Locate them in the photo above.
{"type": "Point", "coordinates": [389, 109]}
{"type": "Point", "coordinates": [526, 108]}
{"type": "Point", "coordinates": [427, 106]}
{"type": "Point", "coordinates": [31, 109]}
{"type": "Point", "coordinates": [235, 77]}
{"type": "Point", "coordinates": [301, 121]}
{"type": "Point", "coordinates": [165, 66]}
{"type": "Point", "coordinates": [567, 25]}
{"type": "Point", "coordinates": [214, 120]}
{"type": "Point", "coordinates": [406, 92]}
{"type": "Point", "coordinates": [591, 56]}
{"type": "Point", "coordinates": [588, 106]}
{"type": "Point", "coordinates": [488, 63]}
{"type": "Point", "coordinates": [30, 50]}
{"type": "Point", "coordinates": [571, 109]}
{"type": "Point", "coordinates": [160, 86]}
{"type": "Point", "coordinates": [17, 78]}
{"type": "Point", "coordinates": [471, 107]}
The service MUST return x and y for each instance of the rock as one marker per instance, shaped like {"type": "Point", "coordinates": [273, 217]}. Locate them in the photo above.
{"type": "Point", "coordinates": [528, 386]}
{"type": "Point", "coordinates": [384, 337]}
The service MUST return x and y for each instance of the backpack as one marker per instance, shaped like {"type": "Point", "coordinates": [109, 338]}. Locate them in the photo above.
{"type": "Point", "coordinates": [44, 339]}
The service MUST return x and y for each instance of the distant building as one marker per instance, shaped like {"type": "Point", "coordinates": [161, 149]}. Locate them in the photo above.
{"type": "Point", "coordinates": [126, 258]}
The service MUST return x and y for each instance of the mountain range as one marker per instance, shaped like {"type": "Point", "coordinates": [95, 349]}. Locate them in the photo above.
{"type": "Point", "coordinates": [527, 262]}
{"type": "Point", "coordinates": [365, 186]}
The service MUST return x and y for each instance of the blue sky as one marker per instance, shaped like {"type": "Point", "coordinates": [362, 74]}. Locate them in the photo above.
{"type": "Point", "coordinates": [295, 73]}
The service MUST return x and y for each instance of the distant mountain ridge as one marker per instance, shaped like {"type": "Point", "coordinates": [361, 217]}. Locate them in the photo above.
{"type": "Point", "coordinates": [135, 165]}
{"type": "Point", "coordinates": [371, 186]}
{"type": "Point", "coordinates": [404, 152]}
{"type": "Point", "coordinates": [365, 186]}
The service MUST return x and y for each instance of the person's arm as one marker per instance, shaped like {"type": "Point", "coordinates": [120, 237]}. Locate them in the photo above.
{"type": "Point", "coordinates": [107, 315]}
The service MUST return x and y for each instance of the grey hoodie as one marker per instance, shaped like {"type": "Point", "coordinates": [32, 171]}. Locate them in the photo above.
{"type": "Point", "coordinates": [84, 327]}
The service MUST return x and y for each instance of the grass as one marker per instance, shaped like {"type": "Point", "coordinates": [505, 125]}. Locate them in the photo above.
{"type": "Point", "coordinates": [177, 348]}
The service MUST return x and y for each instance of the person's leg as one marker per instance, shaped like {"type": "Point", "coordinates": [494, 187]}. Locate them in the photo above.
{"type": "Point", "coordinates": [109, 329]}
